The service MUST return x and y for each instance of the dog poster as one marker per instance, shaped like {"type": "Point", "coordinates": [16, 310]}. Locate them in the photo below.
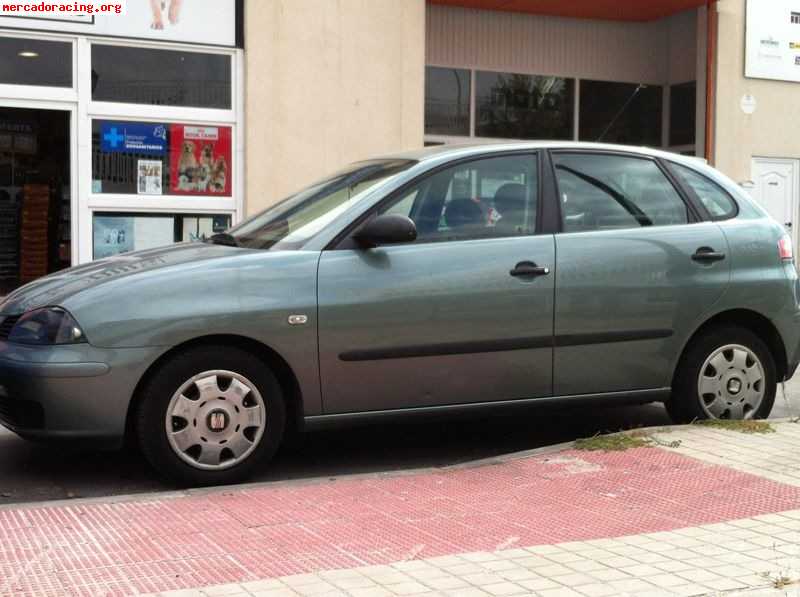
{"type": "Point", "coordinates": [200, 160]}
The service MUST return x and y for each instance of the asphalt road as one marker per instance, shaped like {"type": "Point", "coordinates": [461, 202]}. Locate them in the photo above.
{"type": "Point", "coordinates": [33, 473]}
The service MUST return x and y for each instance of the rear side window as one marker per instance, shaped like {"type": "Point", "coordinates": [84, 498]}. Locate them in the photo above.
{"type": "Point", "coordinates": [604, 192]}
{"type": "Point", "coordinates": [716, 200]}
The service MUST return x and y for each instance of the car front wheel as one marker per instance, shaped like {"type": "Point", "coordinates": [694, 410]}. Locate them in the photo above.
{"type": "Point", "coordinates": [726, 373]}
{"type": "Point", "coordinates": [209, 415]}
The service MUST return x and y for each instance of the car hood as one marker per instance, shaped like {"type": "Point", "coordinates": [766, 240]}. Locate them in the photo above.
{"type": "Point", "coordinates": [56, 288]}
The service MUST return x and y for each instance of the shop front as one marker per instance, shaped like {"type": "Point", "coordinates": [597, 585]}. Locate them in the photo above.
{"type": "Point", "coordinates": [621, 71]}
{"type": "Point", "coordinates": [117, 133]}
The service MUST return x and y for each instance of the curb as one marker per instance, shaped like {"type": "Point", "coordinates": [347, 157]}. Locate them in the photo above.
{"type": "Point", "coordinates": [193, 492]}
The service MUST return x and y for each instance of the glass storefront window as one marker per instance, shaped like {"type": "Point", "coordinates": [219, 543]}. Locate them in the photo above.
{"type": "Point", "coordinates": [35, 201]}
{"type": "Point", "coordinates": [159, 158]}
{"type": "Point", "coordinates": [638, 124]}
{"type": "Point", "coordinates": [447, 96]}
{"type": "Point", "coordinates": [116, 233]}
{"type": "Point", "coordinates": [160, 77]}
{"type": "Point", "coordinates": [35, 62]}
{"type": "Point", "coordinates": [682, 114]}
{"type": "Point", "coordinates": [517, 106]}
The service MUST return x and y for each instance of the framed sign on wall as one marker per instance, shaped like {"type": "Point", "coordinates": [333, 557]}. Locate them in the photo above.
{"type": "Point", "coordinates": [772, 40]}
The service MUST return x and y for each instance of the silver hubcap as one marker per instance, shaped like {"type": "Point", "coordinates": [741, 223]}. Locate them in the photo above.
{"type": "Point", "coordinates": [215, 420]}
{"type": "Point", "coordinates": [731, 383]}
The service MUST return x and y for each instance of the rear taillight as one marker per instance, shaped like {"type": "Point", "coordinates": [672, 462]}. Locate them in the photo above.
{"type": "Point", "coordinates": [785, 249]}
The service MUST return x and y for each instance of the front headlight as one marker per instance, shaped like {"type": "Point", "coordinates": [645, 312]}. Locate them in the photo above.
{"type": "Point", "coordinates": [50, 325]}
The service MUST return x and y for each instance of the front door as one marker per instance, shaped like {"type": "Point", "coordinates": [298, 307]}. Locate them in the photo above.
{"type": "Point", "coordinates": [634, 273]}
{"type": "Point", "coordinates": [462, 315]}
{"type": "Point", "coordinates": [777, 182]}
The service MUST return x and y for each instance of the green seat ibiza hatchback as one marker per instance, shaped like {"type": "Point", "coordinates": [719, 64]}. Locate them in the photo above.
{"type": "Point", "coordinates": [450, 279]}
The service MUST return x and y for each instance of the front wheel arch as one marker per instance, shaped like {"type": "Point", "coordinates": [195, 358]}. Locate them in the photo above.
{"type": "Point", "coordinates": [286, 377]}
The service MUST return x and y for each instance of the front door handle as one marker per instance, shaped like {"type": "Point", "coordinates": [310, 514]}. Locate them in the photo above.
{"type": "Point", "coordinates": [528, 269]}
{"type": "Point", "coordinates": [707, 255]}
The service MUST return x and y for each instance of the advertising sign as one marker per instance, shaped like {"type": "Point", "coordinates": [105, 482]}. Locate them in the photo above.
{"type": "Point", "coordinates": [773, 40]}
{"type": "Point", "coordinates": [133, 137]}
{"type": "Point", "coordinates": [207, 22]}
{"type": "Point", "coordinates": [112, 235]}
{"type": "Point", "coordinates": [200, 160]}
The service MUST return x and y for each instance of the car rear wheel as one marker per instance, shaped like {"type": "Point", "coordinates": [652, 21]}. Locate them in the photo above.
{"type": "Point", "coordinates": [209, 415]}
{"type": "Point", "coordinates": [726, 373]}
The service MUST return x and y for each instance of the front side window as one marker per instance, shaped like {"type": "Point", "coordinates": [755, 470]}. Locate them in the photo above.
{"type": "Point", "coordinates": [718, 203]}
{"type": "Point", "coordinates": [486, 198]}
{"type": "Point", "coordinates": [601, 192]}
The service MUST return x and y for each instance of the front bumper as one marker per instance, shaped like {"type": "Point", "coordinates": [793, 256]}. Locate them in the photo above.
{"type": "Point", "coordinates": [69, 392]}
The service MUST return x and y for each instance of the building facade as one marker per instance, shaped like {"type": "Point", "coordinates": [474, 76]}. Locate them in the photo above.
{"type": "Point", "coordinates": [123, 133]}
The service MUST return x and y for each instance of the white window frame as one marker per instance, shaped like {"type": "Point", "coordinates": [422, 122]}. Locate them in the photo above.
{"type": "Point", "coordinates": [161, 204]}
{"type": "Point", "coordinates": [77, 101]}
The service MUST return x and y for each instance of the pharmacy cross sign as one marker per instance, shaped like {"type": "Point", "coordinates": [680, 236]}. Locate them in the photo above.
{"type": "Point", "coordinates": [139, 138]}
{"type": "Point", "coordinates": [113, 137]}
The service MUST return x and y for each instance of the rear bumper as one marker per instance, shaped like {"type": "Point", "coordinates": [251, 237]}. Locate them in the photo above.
{"type": "Point", "coordinates": [69, 392]}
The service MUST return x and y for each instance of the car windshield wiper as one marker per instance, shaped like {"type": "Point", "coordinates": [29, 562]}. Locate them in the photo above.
{"type": "Point", "coordinates": [223, 238]}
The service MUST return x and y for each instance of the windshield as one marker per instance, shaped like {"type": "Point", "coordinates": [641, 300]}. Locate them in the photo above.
{"type": "Point", "coordinates": [290, 223]}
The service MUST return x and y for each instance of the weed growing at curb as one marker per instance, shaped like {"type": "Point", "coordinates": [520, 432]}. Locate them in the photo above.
{"type": "Point", "coordinates": [748, 426]}
{"type": "Point", "coordinates": [612, 443]}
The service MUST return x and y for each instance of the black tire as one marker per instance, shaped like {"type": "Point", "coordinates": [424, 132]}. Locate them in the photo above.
{"type": "Point", "coordinates": [168, 378]}
{"type": "Point", "coordinates": [685, 403]}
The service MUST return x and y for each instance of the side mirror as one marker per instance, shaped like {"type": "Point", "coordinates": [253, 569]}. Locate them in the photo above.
{"type": "Point", "coordinates": [388, 229]}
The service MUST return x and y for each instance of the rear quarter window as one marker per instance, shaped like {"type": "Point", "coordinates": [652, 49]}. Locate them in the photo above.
{"type": "Point", "coordinates": [717, 201]}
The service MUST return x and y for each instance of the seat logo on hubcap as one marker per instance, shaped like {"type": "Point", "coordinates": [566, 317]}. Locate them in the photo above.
{"type": "Point", "coordinates": [734, 386]}
{"type": "Point", "coordinates": [217, 420]}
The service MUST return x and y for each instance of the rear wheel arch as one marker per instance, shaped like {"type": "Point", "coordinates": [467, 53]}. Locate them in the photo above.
{"type": "Point", "coordinates": [753, 321]}
{"type": "Point", "coordinates": [278, 365]}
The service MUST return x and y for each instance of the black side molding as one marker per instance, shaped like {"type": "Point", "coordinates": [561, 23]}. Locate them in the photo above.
{"type": "Point", "coordinates": [454, 348]}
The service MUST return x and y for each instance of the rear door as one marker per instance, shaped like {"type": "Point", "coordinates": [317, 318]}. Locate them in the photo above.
{"type": "Point", "coordinates": [462, 315]}
{"type": "Point", "coordinates": [635, 268]}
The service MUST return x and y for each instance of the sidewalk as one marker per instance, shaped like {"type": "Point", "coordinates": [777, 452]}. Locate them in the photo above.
{"type": "Point", "coordinates": [718, 513]}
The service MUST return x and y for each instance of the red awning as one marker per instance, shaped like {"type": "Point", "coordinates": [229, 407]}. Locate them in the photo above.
{"type": "Point", "coordinates": [613, 10]}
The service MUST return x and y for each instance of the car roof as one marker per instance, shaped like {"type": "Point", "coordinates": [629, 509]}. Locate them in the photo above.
{"type": "Point", "coordinates": [467, 149]}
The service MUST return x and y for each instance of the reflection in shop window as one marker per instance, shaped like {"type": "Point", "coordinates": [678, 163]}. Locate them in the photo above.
{"type": "Point", "coordinates": [624, 113]}
{"type": "Point", "coordinates": [35, 205]}
{"type": "Point", "coordinates": [26, 61]}
{"type": "Point", "coordinates": [682, 114]}
{"type": "Point", "coordinates": [117, 233]}
{"type": "Point", "coordinates": [447, 97]}
{"type": "Point", "coordinates": [517, 106]}
{"type": "Point", "coordinates": [157, 158]}
{"type": "Point", "coordinates": [161, 77]}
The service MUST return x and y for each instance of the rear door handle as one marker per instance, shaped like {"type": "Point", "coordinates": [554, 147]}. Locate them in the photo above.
{"type": "Point", "coordinates": [707, 255]}
{"type": "Point", "coordinates": [528, 269]}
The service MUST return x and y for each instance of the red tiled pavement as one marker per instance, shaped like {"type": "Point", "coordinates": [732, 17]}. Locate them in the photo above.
{"type": "Point", "coordinates": [149, 545]}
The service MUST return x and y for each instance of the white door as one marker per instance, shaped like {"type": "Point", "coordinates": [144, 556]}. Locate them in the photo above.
{"type": "Point", "coordinates": [776, 186]}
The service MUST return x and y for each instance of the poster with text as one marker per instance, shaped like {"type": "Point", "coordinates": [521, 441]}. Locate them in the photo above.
{"type": "Point", "coordinates": [200, 160]}
{"type": "Point", "coordinates": [149, 177]}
